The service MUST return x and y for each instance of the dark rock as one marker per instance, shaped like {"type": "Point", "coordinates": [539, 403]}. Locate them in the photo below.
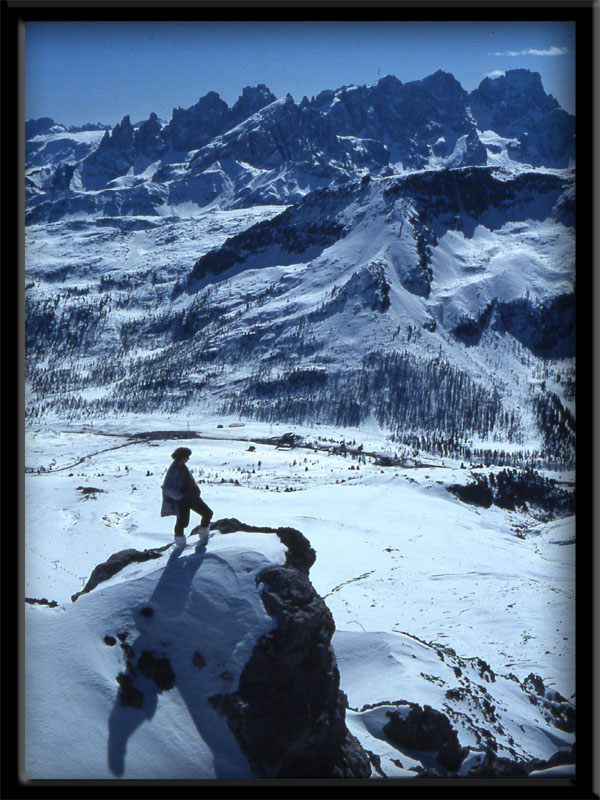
{"type": "Point", "coordinates": [147, 611]}
{"type": "Point", "coordinates": [534, 683]}
{"type": "Point", "coordinates": [198, 660]}
{"type": "Point", "coordinates": [252, 99]}
{"type": "Point", "coordinates": [116, 563]}
{"type": "Point", "coordinates": [42, 602]}
{"type": "Point", "coordinates": [121, 137]}
{"type": "Point", "coordinates": [149, 138]}
{"type": "Point", "coordinates": [425, 729]}
{"type": "Point", "coordinates": [300, 554]}
{"type": "Point", "coordinates": [231, 525]}
{"type": "Point", "coordinates": [110, 641]}
{"type": "Point", "coordinates": [288, 713]}
{"type": "Point", "coordinates": [157, 669]}
{"type": "Point", "coordinates": [128, 694]}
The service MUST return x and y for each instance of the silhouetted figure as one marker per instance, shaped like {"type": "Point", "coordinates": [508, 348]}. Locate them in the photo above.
{"type": "Point", "coordinates": [181, 494]}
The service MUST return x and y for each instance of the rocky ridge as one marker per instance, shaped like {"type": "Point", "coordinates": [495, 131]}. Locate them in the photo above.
{"type": "Point", "coordinates": [269, 150]}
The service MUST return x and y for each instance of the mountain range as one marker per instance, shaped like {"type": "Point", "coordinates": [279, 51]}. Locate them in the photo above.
{"type": "Point", "coordinates": [265, 150]}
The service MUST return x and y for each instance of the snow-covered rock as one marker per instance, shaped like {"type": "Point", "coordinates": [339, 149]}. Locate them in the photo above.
{"type": "Point", "coordinates": [219, 657]}
{"type": "Point", "coordinates": [515, 106]}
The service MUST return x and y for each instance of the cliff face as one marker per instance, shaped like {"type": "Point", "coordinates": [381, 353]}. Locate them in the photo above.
{"type": "Point", "coordinates": [288, 713]}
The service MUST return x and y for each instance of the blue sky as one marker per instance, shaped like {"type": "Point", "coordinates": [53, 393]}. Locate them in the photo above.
{"type": "Point", "coordinates": [77, 72]}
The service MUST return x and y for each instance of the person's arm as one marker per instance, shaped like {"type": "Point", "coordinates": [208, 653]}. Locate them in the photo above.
{"type": "Point", "coordinates": [173, 483]}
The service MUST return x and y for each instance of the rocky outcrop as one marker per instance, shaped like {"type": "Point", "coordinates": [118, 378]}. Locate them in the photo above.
{"type": "Point", "coordinates": [121, 137]}
{"type": "Point", "coordinates": [116, 563]}
{"type": "Point", "coordinates": [426, 729]}
{"type": "Point", "coordinates": [150, 140]}
{"type": "Point", "coordinates": [288, 713]}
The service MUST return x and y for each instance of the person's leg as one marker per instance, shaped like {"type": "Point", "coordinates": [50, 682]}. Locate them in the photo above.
{"type": "Point", "coordinates": [183, 518]}
{"type": "Point", "coordinates": [206, 513]}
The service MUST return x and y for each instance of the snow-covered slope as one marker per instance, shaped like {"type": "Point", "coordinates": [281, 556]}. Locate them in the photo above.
{"type": "Point", "coordinates": [387, 299]}
{"type": "Point", "coordinates": [435, 602]}
{"type": "Point", "coordinates": [204, 620]}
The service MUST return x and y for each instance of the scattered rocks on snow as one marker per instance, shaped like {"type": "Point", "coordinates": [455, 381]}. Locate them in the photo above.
{"type": "Point", "coordinates": [41, 602]}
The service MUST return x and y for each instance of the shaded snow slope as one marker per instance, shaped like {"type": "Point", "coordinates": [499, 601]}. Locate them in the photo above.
{"type": "Point", "coordinates": [206, 617]}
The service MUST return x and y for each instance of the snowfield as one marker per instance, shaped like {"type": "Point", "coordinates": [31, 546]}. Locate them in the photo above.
{"type": "Point", "coordinates": [405, 567]}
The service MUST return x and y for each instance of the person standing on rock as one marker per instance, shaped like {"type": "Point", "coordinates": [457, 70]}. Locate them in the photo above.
{"type": "Point", "coordinates": [180, 494]}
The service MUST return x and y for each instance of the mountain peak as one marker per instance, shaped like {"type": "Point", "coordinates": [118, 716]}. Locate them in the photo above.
{"type": "Point", "coordinates": [517, 93]}
{"type": "Point", "coordinates": [515, 80]}
{"type": "Point", "coordinates": [441, 82]}
{"type": "Point", "coordinates": [389, 82]}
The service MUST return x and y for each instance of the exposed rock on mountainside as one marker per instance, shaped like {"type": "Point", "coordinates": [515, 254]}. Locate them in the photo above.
{"type": "Point", "coordinates": [425, 729]}
{"type": "Point", "coordinates": [517, 107]}
{"type": "Point", "coordinates": [43, 125]}
{"type": "Point", "coordinates": [269, 150]}
{"type": "Point", "coordinates": [288, 712]}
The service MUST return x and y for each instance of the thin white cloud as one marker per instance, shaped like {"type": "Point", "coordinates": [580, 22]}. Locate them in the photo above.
{"type": "Point", "coordinates": [497, 73]}
{"type": "Point", "coordinates": [550, 51]}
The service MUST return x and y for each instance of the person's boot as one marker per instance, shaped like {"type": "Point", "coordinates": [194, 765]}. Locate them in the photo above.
{"type": "Point", "coordinates": [203, 533]}
{"type": "Point", "coordinates": [180, 541]}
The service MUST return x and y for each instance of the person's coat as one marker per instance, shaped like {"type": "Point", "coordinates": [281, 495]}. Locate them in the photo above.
{"type": "Point", "coordinates": [174, 485]}
{"type": "Point", "coordinates": [177, 482]}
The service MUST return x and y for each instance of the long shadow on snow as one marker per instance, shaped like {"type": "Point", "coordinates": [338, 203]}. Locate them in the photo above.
{"type": "Point", "coordinates": [172, 598]}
